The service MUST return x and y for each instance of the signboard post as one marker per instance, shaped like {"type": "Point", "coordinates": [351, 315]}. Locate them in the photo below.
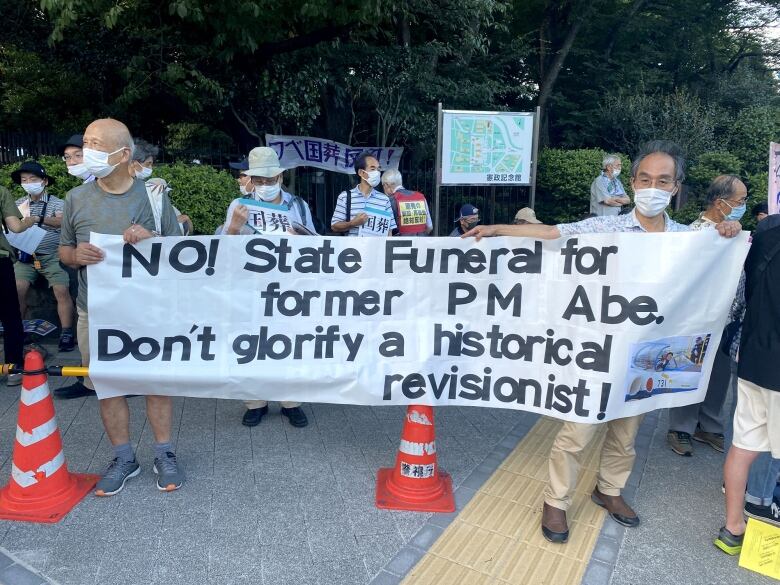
{"type": "Point", "coordinates": [486, 148]}
{"type": "Point", "coordinates": [774, 178]}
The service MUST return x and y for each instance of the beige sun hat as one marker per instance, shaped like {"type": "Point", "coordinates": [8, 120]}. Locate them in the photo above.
{"type": "Point", "coordinates": [263, 162]}
{"type": "Point", "coordinates": [527, 214]}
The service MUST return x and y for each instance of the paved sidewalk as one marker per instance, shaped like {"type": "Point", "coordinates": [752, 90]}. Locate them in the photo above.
{"type": "Point", "coordinates": [275, 505]}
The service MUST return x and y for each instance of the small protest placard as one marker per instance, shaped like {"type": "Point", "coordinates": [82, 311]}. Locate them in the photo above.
{"type": "Point", "coordinates": [263, 218]}
{"type": "Point", "coordinates": [377, 224]}
{"type": "Point", "coordinates": [761, 549]}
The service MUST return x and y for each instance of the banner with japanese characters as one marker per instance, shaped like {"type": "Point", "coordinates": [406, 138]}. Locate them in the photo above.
{"type": "Point", "coordinates": [306, 151]}
{"type": "Point", "coordinates": [586, 328]}
{"type": "Point", "coordinates": [262, 217]}
{"type": "Point", "coordinates": [377, 224]}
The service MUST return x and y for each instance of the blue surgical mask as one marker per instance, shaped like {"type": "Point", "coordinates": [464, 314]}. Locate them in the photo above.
{"type": "Point", "coordinates": [736, 212]}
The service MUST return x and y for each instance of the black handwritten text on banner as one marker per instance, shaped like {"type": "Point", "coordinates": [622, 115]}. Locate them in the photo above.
{"type": "Point", "coordinates": [588, 328]}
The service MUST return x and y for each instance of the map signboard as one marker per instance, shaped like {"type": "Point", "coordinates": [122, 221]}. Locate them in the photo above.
{"type": "Point", "coordinates": [486, 148]}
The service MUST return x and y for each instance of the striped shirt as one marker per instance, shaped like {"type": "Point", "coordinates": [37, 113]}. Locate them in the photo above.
{"type": "Point", "coordinates": [51, 240]}
{"type": "Point", "coordinates": [361, 204]}
{"type": "Point", "coordinates": [615, 223]}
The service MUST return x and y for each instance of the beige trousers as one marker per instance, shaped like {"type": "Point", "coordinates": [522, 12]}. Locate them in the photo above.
{"type": "Point", "coordinates": [82, 336]}
{"type": "Point", "coordinates": [617, 458]}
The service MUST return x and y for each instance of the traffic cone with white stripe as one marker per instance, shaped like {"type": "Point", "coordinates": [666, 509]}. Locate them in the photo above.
{"type": "Point", "coordinates": [416, 483]}
{"type": "Point", "coordinates": [41, 489]}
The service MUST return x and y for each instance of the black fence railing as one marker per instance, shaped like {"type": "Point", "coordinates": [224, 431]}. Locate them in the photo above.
{"type": "Point", "coordinates": [319, 188]}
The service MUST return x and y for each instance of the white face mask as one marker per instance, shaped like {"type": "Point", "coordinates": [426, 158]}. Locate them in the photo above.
{"type": "Point", "coordinates": [268, 192]}
{"type": "Point", "coordinates": [33, 188]}
{"type": "Point", "coordinates": [144, 173]}
{"type": "Point", "coordinates": [651, 202]}
{"type": "Point", "coordinates": [615, 173]}
{"type": "Point", "coordinates": [79, 170]}
{"type": "Point", "coordinates": [373, 178]}
{"type": "Point", "coordinates": [96, 162]}
{"type": "Point", "coordinates": [243, 190]}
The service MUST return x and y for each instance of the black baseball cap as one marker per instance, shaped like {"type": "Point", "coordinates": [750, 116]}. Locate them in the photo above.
{"type": "Point", "coordinates": [33, 167]}
{"type": "Point", "coordinates": [75, 140]}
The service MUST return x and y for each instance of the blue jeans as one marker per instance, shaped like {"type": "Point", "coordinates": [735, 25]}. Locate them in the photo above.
{"type": "Point", "coordinates": [762, 479]}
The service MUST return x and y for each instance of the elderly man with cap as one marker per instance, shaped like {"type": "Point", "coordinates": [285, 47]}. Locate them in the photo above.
{"type": "Point", "coordinates": [265, 184]}
{"type": "Point", "coordinates": [116, 203]}
{"type": "Point", "coordinates": [468, 219]}
{"type": "Point", "coordinates": [73, 155]}
{"type": "Point", "coordinates": [45, 211]}
{"type": "Point", "coordinates": [524, 216]}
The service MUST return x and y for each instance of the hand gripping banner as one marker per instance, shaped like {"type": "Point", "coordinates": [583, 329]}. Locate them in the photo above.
{"type": "Point", "coordinates": [586, 328]}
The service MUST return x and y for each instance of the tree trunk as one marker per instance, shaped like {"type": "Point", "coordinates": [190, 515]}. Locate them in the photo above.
{"type": "Point", "coordinates": [550, 74]}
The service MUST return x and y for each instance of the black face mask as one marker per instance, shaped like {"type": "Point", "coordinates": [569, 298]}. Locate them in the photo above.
{"type": "Point", "coordinates": [471, 224]}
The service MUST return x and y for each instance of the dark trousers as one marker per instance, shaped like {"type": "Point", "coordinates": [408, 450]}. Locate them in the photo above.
{"type": "Point", "coordinates": [708, 414]}
{"type": "Point", "coordinates": [13, 332]}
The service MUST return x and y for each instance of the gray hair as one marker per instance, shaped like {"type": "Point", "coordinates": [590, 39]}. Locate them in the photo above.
{"type": "Point", "coordinates": [143, 150]}
{"type": "Point", "coordinates": [666, 147]}
{"type": "Point", "coordinates": [722, 187]}
{"type": "Point", "coordinates": [609, 159]}
{"type": "Point", "coordinates": [392, 177]}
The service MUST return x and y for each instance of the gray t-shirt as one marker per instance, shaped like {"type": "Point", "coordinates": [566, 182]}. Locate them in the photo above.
{"type": "Point", "coordinates": [90, 209]}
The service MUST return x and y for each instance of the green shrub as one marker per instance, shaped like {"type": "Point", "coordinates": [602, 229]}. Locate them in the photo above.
{"type": "Point", "coordinates": [709, 166]}
{"type": "Point", "coordinates": [200, 191]}
{"type": "Point", "coordinates": [564, 179]}
{"type": "Point", "coordinates": [753, 130]}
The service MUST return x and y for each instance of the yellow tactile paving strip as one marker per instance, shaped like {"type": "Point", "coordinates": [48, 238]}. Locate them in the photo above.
{"type": "Point", "coordinates": [497, 539]}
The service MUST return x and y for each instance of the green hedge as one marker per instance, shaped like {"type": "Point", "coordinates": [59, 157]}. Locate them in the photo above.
{"type": "Point", "coordinates": [200, 191]}
{"type": "Point", "coordinates": [563, 182]}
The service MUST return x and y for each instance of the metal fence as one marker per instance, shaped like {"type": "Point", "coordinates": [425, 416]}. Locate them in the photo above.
{"type": "Point", "coordinates": [496, 204]}
{"type": "Point", "coordinates": [319, 188]}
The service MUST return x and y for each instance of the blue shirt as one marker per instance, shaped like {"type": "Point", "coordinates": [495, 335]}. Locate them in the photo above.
{"type": "Point", "coordinates": [615, 223]}
{"type": "Point", "coordinates": [358, 205]}
{"type": "Point", "coordinates": [604, 188]}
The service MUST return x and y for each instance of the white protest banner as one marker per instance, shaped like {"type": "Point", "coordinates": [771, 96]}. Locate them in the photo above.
{"type": "Point", "coordinates": [306, 151]}
{"type": "Point", "coordinates": [774, 177]}
{"type": "Point", "coordinates": [263, 217]}
{"type": "Point", "coordinates": [584, 328]}
{"type": "Point", "coordinates": [377, 224]}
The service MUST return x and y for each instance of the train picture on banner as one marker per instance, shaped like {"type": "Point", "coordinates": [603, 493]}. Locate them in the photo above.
{"type": "Point", "coordinates": [663, 366]}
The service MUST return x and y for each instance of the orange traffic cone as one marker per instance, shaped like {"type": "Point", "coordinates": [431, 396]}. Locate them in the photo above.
{"type": "Point", "coordinates": [416, 483]}
{"type": "Point", "coordinates": [41, 489]}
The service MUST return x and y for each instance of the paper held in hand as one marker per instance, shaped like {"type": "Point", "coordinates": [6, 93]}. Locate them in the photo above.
{"type": "Point", "coordinates": [263, 218]}
{"type": "Point", "coordinates": [28, 240]}
{"type": "Point", "coordinates": [377, 224]}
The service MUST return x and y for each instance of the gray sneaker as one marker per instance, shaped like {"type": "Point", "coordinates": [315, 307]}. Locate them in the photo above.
{"type": "Point", "coordinates": [116, 476]}
{"type": "Point", "coordinates": [680, 443]}
{"type": "Point", "coordinates": [13, 380]}
{"type": "Point", "coordinates": [170, 476]}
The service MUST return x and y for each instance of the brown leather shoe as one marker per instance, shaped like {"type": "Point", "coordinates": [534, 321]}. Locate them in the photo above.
{"type": "Point", "coordinates": [554, 526]}
{"type": "Point", "coordinates": [616, 507]}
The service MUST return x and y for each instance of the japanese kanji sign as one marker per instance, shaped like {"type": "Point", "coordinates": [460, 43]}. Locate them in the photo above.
{"type": "Point", "coordinates": [264, 218]}
{"type": "Point", "coordinates": [305, 151]}
{"type": "Point", "coordinates": [377, 224]}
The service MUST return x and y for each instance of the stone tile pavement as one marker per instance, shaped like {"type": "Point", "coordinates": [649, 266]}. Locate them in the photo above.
{"type": "Point", "coordinates": [272, 504]}
{"type": "Point", "coordinates": [275, 505]}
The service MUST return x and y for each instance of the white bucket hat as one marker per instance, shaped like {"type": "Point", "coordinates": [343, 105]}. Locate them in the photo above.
{"type": "Point", "coordinates": [263, 162]}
